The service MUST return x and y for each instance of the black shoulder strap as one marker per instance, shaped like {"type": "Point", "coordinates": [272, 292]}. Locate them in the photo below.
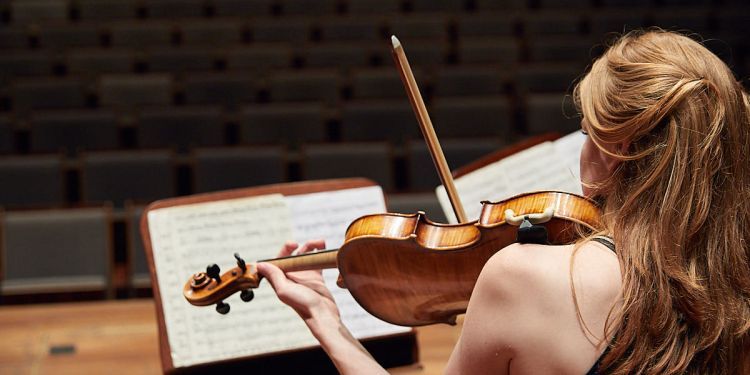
{"type": "Point", "coordinates": [606, 241]}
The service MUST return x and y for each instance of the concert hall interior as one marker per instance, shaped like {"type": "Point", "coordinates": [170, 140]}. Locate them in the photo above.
{"type": "Point", "coordinates": [107, 106]}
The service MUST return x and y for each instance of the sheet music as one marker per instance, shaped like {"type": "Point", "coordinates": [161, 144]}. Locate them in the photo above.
{"type": "Point", "coordinates": [187, 238]}
{"type": "Point", "coordinates": [546, 166]}
{"type": "Point", "coordinates": [568, 148]}
{"type": "Point", "coordinates": [326, 216]}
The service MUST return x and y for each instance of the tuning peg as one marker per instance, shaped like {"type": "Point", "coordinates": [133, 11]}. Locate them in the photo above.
{"type": "Point", "coordinates": [240, 261]}
{"type": "Point", "coordinates": [213, 270]}
{"type": "Point", "coordinates": [222, 308]}
{"type": "Point", "coordinates": [247, 295]}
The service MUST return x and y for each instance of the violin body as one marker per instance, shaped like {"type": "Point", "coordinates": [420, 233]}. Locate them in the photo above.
{"type": "Point", "coordinates": [407, 270]}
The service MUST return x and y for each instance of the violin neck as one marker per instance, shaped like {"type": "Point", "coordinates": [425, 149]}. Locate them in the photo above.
{"type": "Point", "coordinates": [309, 261]}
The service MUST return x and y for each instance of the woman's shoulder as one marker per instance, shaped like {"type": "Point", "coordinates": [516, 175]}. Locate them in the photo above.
{"type": "Point", "coordinates": [529, 287]}
{"type": "Point", "coordinates": [543, 267]}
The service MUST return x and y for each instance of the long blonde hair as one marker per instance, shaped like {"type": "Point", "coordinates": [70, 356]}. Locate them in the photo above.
{"type": "Point", "coordinates": [678, 204]}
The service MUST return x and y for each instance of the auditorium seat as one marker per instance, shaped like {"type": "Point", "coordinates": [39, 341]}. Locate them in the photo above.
{"type": "Point", "coordinates": [411, 203]}
{"type": "Point", "coordinates": [307, 7]}
{"type": "Point", "coordinates": [576, 49]}
{"type": "Point", "coordinates": [283, 123]}
{"type": "Point", "coordinates": [385, 82]}
{"type": "Point", "coordinates": [472, 116]}
{"type": "Point", "coordinates": [422, 53]}
{"type": "Point", "coordinates": [60, 37]}
{"type": "Point", "coordinates": [686, 19]}
{"type": "Point", "coordinates": [352, 28]}
{"type": "Point", "coordinates": [14, 37]}
{"type": "Point", "coordinates": [505, 5]}
{"type": "Point", "coordinates": [482, 50]}
{"type": "Point", "coordinates": [212, 32]}
{"type": "Point", "coordinates": [608, 20]}
{"type": "Point", "coordinates": [373, 6]}
{"type": "Point", "coordinates": [139, 276]}
{"type": "Point", "coordinates": [625, 4]}
{"type": "Point", "coordinates": [48, 93]}
{"type": "Point", "coordinates": [95, 61]}
{"type": "Point", "coordinates": [180, 128]}
{"type": "Point", "coordinates": [369, 160]}
{"type": "Point", "coordinates": [141, 34]}
{"type": "Point", "coordinates": [127, 90]}
{"type": "Point", "coordinates": [181, 59]}
{"type": "Point", "coordinates": [7, 136]}
{"type": "Point", "coordinates": [551, 113]}
{"type": "Point", "coordinates": [50, 251]}
{"type": "Point", "coordinates": [242, 8]}
{"type": "Point", "coordinates": [174, 8]}
{"type": "Point", "coordinates": [563, 4]}
{"type": "Point", "coordinates": [416, 27]}
{"type": "Point", "coordinates": [36, 11]}
{"type": "Point", "coordinates": [548, 77]}
{"type": "Point", "coordinates": [734, 20]}
{"type": "Point", "coordinates": [25, 64]}
{"type": "Point", "coordinates": [73, 130]}
{"type": "Point", "coordinates": [237, 167]}
{"type": "Point", "coordinates": [335, 55]}
{"type": "Point", "coordinates": [227, 89]}
{"type": "Point", "coordinates": [678, 3]}
{"type": "Point", "coordinates": [458, 153]}
{"type": "Point", "coordinates": [287, 30]}
{"type": "Point", "coordinates": [438, 6]}
{"type": "Point", "coordinates": [106, 10]}
{"type": "Point", "coordinates": [553, 22]}
{"type": "Point", "coordinates": [305, 85]}
{"type": "Point", "coordinates": [259, 57]}
{"type": "Point", "coordinates": [31, 181]}
{"type": "Point", "coordinates": [486, 25]}
{"type": "Point", "coordinates": [117, 176]}
{"type": "Point", "coordinates": [380, 120]}
{"type": "Point", "coordinates": [469, 80]}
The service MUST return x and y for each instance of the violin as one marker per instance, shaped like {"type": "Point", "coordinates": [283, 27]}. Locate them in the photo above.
{"type": "Point", "coordinates": [406, 269]}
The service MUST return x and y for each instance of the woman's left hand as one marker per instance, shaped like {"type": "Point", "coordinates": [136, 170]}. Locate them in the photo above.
{"type": "Point", "coordinates": [304, 291]}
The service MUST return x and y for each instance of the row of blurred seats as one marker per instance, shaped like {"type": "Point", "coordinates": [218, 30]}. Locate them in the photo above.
{"type": "Point", "coordinates": [28, 11]}
{"type": "Point", "coordinates": [230, 89]}
{"type": "Point", "coordinates": [74, 250]}
{"type": "Point", "coordinates": [438, 27]}
{"type": "Point", "coordinates": [147, 175]}
{"type": "Point", "coordinates": [271, 59]}
{"type": "Point", "coordinates": [184, 127]}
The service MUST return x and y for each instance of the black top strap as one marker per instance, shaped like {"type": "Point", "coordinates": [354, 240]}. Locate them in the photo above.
{"type": "Point", "coordinates": [606, 241]}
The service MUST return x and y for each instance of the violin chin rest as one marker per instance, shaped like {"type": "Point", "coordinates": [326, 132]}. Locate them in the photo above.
{"type": "Point", "coordinates": [340, 282]}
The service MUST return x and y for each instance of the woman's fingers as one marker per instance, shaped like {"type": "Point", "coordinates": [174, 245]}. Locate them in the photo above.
{"type": "Point", "coordinates": [287, 249]}
{"type": "Point", "coordinates": [312, 245]}
{"type": "Point", "coordinates": [275, 276]}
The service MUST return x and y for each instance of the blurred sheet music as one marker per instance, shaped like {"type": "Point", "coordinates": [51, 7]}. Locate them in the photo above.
{"type": "Point", "coordinates": [546, 166]}
{"type": "Point", "coordinates": [187, 238]}
{"type": "Point", "coordinates": [326, 216]}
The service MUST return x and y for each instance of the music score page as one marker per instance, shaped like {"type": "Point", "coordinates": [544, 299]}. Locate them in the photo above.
{"type": "Point", "coordinates": [546, 166]}
{"type": "Point", "coordinates": [187, 238]}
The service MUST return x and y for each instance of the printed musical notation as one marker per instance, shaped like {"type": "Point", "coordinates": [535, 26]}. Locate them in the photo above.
{"type": "Point", "coordinates": [185, 239]}
{"type": "Point", "coordinates": [546, 166]}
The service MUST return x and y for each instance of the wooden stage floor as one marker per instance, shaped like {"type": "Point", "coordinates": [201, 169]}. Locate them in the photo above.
{"type": "Point", "coordinates": [120, 337]}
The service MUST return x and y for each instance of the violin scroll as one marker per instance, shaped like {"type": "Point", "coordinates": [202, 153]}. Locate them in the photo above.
{"type": "Point", "coordinates": [211, 287]}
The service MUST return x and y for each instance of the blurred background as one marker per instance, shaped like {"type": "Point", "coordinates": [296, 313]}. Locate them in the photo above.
{"type": "Point", "coordinates": [106, 105]}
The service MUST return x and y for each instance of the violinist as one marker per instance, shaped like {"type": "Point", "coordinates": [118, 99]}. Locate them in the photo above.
{"type": "Point", "coordinates": [664, 287]}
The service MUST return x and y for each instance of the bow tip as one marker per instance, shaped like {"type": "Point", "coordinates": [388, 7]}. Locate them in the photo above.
{"type": "Point", "coordinates": [396, 43]}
